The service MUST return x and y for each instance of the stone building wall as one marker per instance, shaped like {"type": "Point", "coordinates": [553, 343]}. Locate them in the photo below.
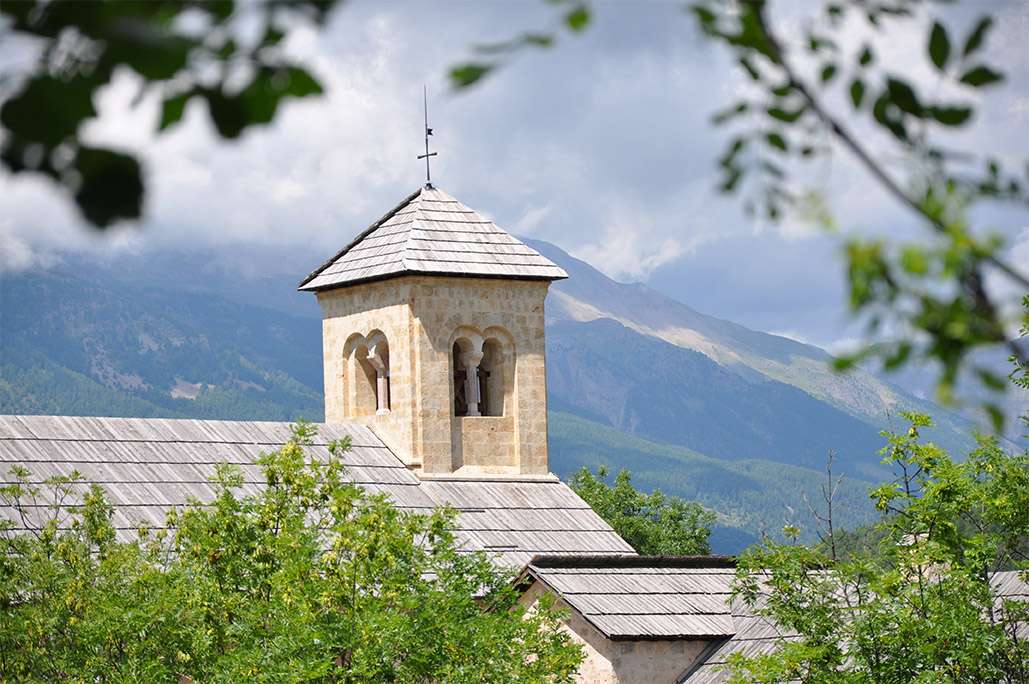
{"type": "Point", "coordinates": [622, 662]}
{"type": "Point", "coordinates": [422, 317]}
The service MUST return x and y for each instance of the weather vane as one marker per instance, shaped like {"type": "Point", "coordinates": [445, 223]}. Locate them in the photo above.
{"type": "Point", "coordinates": [428, 132]}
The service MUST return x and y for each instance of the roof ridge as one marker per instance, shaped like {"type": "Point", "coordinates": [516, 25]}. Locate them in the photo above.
{"type": "Point", "coordinates": [361, 236]}
{"type": "Point", "coordinates": [434, 228]}
{"type": "Point", "coordinates": [630, 561]}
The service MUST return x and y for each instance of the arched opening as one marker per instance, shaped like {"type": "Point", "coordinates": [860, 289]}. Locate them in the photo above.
{"type": "Point", "coordinates": [378, 355]}
{"type": "Point", "coordinates": [491, 378]}
{"type": "Point", "coordinates": [464, 362]}
{"type": "Point", "coordinates": [478, 373]}
{"type": "Point", "coordinates": [363, 381]}
{"type": "Point", "coordinates": [367, 381]}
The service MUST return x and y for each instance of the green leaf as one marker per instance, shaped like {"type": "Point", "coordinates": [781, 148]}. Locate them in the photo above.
{"type": "Point", "coordinates": [828, 72]}
{"type": "Point", "coordinates": [578, 18]}
{"type": "Point", "coordinates": [786, 117]}
{"type": "Point", "coordinates": [111, 187]}
{"type": "Point", "coordinates": [301, 83]}
{"type": "Point", "coordinates": [776, 140]}
{"type": "Point", "coordinates": [729, 113]}
{"type": "Point", "coordinates": [866, 56]}
{"type": "Point", "coordinates": [754, 74]}
{"type": "Point", "coordinates": [951, 116]}
{"type": "Point", "coordinates": [172, 109]}
{"type": "Point", "coordinates": [857, 92]}
{"type": "Point", "coordinates": [48, 110]}
{"type": "Point", "coordinates": [467, 74]}
{"type": "Point", "coordinates": [902, 95]}
{"type": "Point", "coordinates": [975, 39]}
{"type": "Point", "coordinates": [939, 46]}
{"type": "Point", "coordinates": [980, 76]}
{"type": "Point", "coordinates": [272, 36]}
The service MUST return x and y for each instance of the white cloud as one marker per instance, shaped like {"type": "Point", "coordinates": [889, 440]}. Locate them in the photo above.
{"type": "Point", "coordinates": [601, 145]}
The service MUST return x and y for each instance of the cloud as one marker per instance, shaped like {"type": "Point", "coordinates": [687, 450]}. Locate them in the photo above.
{"type": "Point", "coordinates": [17, 255]}
{"type": "Point", "coordinates": [601, 145]}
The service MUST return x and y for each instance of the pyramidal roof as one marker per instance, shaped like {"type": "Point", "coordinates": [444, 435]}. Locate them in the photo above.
{"type": "Point", "coordinates": [430, 232]}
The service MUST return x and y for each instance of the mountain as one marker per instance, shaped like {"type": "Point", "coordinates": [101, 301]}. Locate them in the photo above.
{"type": "Point", "coordinates": [81, 340]}
{"type": "Point", "coordinates": [755, 357]}
{"type": "Point", "coordinates": [700, 407]}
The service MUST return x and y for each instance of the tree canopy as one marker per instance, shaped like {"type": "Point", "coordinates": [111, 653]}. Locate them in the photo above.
{"type": "Point", "coordinates": [654, 524]}
{"type": "Point", "coordinates": [308, 579]}
{"type": "Point", "coordinates": [916, 602]}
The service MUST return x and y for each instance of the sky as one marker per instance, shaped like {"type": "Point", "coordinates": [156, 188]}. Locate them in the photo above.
{"type": "Point", "coordinates": [602, 145]}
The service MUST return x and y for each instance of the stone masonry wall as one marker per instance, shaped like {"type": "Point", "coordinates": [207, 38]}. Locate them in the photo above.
{"type": "Point", "coordinates": [421, 317]}
{"type": "Point", "coordinates": [622, 662]}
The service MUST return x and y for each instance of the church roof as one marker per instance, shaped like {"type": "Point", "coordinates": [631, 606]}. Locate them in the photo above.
{"type": "Point", "coordinates": [148, 465]}
{"type": "Point", "coordinates": [432, 233]}
{"type": "Point", "coordinates": [644, 597]}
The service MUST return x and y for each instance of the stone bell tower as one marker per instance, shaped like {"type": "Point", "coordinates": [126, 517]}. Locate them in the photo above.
{"type": "Point", "coordinates": [432, 329]}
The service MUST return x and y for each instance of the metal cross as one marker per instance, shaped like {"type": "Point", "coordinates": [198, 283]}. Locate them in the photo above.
{"type": "Point", "coordinates": [428, 132]}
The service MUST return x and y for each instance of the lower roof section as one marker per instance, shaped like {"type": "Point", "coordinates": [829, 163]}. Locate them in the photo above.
{"type": "Point", "coordinates": [644, 597]}
{"type": "Point", "coordinates": [148, 465]}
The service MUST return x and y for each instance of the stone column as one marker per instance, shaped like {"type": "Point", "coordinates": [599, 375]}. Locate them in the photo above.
{"type": "Point", "coordinates": [470, 360]}
{"type": "Point", "coordinates": [376, 358]}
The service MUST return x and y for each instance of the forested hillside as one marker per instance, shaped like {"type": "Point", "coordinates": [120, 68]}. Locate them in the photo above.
{"type": "Point", "coordinates": [739, 420]}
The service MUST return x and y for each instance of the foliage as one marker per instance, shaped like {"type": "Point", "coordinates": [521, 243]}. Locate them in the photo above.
{"type": "Point", "coordinates": [308, 579]}
{"type": "Point", "coordinates": [183, 50]}
{"type": "Point", "coordinates": [654, 524]}
{"type": "Point", "coordinates": [922, 300]}
{"type": "Point", "coordinates": [913, 602]}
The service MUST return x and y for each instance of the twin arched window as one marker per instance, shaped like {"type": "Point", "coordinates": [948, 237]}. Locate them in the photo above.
{"type": "Point", "coordinates": [369, 389]}
{"type": "Point", "coordinates": [478, 377]}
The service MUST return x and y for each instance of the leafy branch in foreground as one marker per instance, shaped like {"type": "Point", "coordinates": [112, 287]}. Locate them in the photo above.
{"type": "Point", "coordinates": [925, 299]}
{"type": "Point", "coordinates": [921, 602]}
{"type": "Point", "coordinates": [654, 524]}
{"type": "Point", "coordinates": [183, 50]}
{"type": "Point", "coordinates": [307, 579]}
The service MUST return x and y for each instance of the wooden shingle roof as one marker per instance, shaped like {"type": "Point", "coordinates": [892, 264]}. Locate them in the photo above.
{"type": "Point", "coordinates": [432, 233]}
{"type": "Point", "coordinates": [148, 465]}
{"type": "Point", "coordinates": [644, 597]}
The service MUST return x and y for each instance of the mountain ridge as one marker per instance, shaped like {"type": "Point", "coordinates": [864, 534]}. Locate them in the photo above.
{"type": "Point", "coordinates": [187, 335]}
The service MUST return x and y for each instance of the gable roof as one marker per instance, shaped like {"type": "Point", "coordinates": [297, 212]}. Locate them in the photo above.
{"type": "Point", "coordinates": [432, 233]}
{"type": "Point", "coordinates": [148, 465]}
{"type": "Point", "coordinates": [644, 597]}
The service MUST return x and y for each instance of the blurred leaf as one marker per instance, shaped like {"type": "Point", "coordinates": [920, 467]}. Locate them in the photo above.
{"type": "Point", "coordinates": [754, 74]}
{"type": "Point", "coordinates": [939, 46]}
{"type": "Point", "coordinates": [828, 72]}
{"type": "Point", "coordinates": [172, 109]}
{"type": "Point", "coordinates": [981, 76]}
{"type": "Point", "coordinates": [975, 39]}
{"type": "Point", "coordinates": [951, 116]}
{"type": "Point", "coordinates": [857, 92]}
{"type": "Point", "coordinates": [467, 74]}
{"type": "Point", "coordinates": [48, 110]}
{"type": "Point", "coordinates": [301, 83]}
{"type": "Point", "coordinates": [866, 56]}
{"type": "Point", "coordinates": [578, 19]}
{"type": "Point", "coordinates": [776, 140]}
{"type": "Point", "coordinates": [782, 115]}
{"type": "Point", "coordinates": [914, 260]}
{"type": "Point", "coordinates": [111, 186]}
{"type": "Point", "coordinates": [996, 416]}
{"type": "Point", "coordinates": [902, 95]}
{"type": "Point", "coordinates": [228, 49]}
{"type": "Point", "coordinates": [272, 36]}
{"type": "Point", "coordinates": [154, 55]}
{"type": "Point", "coordinates": [730, 112]}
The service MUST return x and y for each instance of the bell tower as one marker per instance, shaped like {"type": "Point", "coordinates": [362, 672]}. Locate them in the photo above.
{"type": "Point", "coordinates": [433, 336]}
